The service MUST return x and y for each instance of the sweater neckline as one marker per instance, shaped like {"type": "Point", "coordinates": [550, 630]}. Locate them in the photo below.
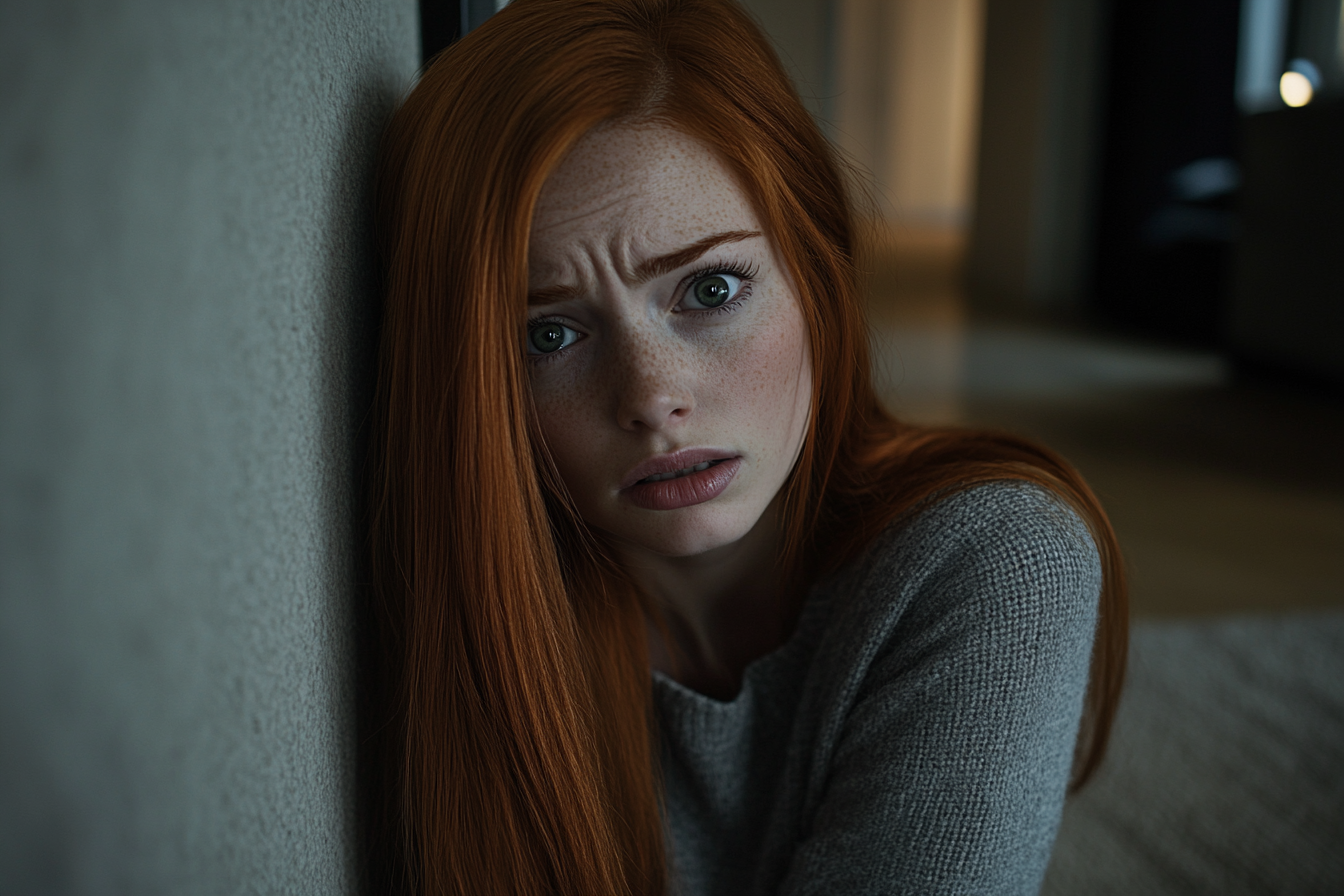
{"type": "Point", "coordinates": [809, 618]}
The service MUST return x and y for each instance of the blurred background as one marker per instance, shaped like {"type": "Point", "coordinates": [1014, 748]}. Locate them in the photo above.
{"type": "Point", "coordinates": [1114, 225]}
{"type": "Point", "coordinates": [1118, 227]}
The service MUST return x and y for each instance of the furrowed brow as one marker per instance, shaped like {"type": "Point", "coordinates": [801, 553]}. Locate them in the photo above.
{"type": "Point", "coordinates": [664, 264]}
{"type": "Point", "coordinates": [651, 268]}
{"type": "Point", "coordinates": [551, 294]}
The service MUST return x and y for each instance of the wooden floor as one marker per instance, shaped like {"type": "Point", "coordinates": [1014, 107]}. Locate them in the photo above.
{"type": "Point", "coordinates": [1227, 495]}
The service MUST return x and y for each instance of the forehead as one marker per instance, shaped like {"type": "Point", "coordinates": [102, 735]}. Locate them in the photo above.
{"type": "Point", "coordinates": [646, 188]}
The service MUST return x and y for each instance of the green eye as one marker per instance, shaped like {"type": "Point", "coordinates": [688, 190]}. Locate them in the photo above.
{"type": "Point", "coordinates": [714, 290]}
{"type": "Point", "coordinates": [548, 337]}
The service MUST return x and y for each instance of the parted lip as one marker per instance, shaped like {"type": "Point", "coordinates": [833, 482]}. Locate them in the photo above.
{"type": "Point", "coordinates": [677, 460]}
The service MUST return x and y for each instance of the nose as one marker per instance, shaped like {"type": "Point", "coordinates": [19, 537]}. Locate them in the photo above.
{"type": "Point", "coordinates": [653, 386]}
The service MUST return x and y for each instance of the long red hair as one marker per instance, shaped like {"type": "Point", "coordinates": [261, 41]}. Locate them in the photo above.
{"type": "Point", "coordinates": [517, 750]}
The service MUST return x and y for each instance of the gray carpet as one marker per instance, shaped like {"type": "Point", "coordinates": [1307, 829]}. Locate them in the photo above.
{"type": "Point", "coordinates": [1226, 770]}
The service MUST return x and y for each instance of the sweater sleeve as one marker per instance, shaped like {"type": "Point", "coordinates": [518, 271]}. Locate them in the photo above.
{"type": "Point", "coordinates": [950, 768]}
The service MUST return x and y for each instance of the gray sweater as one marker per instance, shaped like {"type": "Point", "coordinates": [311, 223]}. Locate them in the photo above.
{"type": "Point", "coordinates": [915, 734]}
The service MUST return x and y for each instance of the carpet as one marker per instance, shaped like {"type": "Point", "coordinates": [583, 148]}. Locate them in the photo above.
{"type": "Point", "coordinates": [1225, 773]}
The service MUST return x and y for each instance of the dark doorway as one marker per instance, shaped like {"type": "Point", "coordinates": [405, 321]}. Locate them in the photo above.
{"type": "Point", "coordinates": [1170, 168]}
{"type": "Point", "coordinates": [440, 25]}
{"type": "Point", "coordinates": [444, 21]}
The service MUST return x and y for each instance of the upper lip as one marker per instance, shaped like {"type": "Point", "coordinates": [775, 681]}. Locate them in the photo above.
{"type": "Point", "coordinates": [677, 460]}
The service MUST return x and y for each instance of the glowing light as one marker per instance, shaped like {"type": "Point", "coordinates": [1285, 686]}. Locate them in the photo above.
{"type": "Point", "coordinates": [1295, 88]}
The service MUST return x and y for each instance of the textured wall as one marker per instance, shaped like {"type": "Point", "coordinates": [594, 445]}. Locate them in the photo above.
{"type": "Point", "coordinates": [184, 349]}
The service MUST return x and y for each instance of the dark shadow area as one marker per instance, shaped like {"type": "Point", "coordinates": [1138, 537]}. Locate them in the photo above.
{"type": "Point", "coordinates": [1286, 314]}
{"type": "Point", "coordinates": [1169, 169]}
{"type": "Point", "coordinates": [440, 25]}
{"type": "Point", "coordinates": [444, 21]}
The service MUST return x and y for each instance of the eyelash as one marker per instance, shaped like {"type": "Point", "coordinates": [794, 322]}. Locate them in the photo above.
{"type": "Point", "coordinates": [744, 272]}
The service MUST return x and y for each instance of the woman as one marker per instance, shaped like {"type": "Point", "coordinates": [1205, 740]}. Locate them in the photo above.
{"type": "Point", "coordinates": [669, 602]}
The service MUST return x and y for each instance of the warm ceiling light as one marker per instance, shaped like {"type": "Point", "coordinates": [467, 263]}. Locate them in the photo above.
{"type": "Point", "coordinates": [1295, 88]}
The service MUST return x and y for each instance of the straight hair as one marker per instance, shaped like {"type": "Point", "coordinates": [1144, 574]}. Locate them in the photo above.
{"type": "Point", "coordinates": [517, 746]}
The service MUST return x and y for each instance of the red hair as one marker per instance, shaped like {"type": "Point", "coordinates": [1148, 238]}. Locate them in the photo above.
{"type": "Point", "coordinates": [518, 746]}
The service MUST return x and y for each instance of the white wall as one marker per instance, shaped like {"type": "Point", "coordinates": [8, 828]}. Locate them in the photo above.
{"type": "Point", "coordinates": [185, 316]}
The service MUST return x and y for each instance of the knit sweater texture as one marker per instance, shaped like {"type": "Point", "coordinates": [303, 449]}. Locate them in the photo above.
{"type": "Point", "coordinates": [915, 734]}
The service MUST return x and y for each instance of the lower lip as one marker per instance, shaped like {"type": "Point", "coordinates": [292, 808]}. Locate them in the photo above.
{"type": "Point", "coordinates": [685, 491]}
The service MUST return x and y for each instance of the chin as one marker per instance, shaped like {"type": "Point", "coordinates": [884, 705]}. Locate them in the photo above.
{"type": "Point", "coordinates": [689, 536]}
{"type": "Point", "coordinates": [690, 546]}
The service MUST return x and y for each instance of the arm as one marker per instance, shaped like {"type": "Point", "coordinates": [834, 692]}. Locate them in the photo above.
{"type": "Point", "coordinates": [950, 770]}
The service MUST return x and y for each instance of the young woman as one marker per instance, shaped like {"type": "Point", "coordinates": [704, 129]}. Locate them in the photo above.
{"type": "Point", "coordinates": [669, 602]}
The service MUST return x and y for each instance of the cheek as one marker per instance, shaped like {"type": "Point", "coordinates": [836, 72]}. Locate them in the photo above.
{"type": "Point", "coordinates": [769, 383]}
{"type": "Point", "coordinates": [566, 413]}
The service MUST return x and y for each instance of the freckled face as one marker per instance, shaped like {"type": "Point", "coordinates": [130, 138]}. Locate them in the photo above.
{"type": "Point", "coordinates": [662, 332]}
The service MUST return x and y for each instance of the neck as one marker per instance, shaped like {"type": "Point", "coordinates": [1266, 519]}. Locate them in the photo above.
{"type": "Point", "coordinates": [722, 609]}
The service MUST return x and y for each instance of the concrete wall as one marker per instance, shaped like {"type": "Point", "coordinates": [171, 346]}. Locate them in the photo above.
{"type": "Point", "coordinates": [185, 310]}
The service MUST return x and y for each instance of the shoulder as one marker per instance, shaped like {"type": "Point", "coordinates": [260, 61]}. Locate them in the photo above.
{"type": "Point", "coordinates": [1001, 560]}
{"type": "Point", "coordinates": [1011, 535]}
{"type": "Point", "coordinates": [948, 693]}
{"type": "Point", "coordinates": [998, 520]}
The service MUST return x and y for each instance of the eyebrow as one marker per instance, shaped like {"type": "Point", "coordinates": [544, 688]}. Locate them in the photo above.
{"type": "Point", "coordinates": [651, 268]}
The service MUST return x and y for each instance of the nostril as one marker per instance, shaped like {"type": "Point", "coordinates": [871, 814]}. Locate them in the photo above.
{"type": "Point", "coordinates": [653, 409]}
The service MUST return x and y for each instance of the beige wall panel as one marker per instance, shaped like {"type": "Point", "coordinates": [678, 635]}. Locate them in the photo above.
{"type": "Point", "coordinates": [908, 100]}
